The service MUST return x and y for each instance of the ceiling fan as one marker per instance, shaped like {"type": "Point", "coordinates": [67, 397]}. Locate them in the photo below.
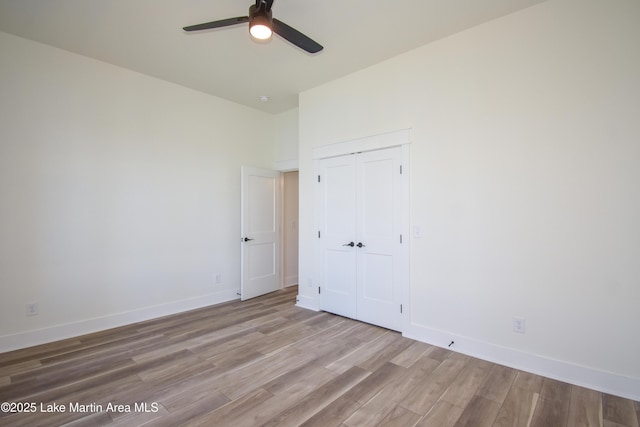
{"type": "Point", "coordinates": [261, 25]}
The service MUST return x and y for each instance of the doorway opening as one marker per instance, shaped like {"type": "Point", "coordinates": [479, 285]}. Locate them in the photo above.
{"type": "Point", "coordinates": [289, 228]}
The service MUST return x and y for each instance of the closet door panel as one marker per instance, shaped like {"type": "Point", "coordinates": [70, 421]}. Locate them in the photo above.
{"type": "Point", "coordinates": [337, 221]}
{"type": "Point", "coordinates": [379, 222]}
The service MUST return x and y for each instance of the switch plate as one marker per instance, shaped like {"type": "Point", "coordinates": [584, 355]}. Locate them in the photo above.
{"type": "Point", "coordinates": [417, 232]}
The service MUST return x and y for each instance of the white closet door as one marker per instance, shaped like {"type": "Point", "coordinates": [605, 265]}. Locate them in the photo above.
{"type": "Point", "coordinates": [379, 229]}
{"type": "Point", "coordinates": [360, 220]}
{"type": "Point", "coordinates": [260, 228]}
{"type": "Point", "coordinates": [337, 228]}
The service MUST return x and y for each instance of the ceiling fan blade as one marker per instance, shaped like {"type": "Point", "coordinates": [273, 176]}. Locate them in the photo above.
{"type": "Point", "coordinates": [294, 36]}
{"type": "Point", "coordinates": [217, 24]}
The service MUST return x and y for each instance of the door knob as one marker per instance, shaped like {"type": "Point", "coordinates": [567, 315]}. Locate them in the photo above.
{"type": "Point", "coordinates": [360, 245]}
{"type": "Point", "coordinates": [246, 239]}
{"type": "Point", "coordinates": [349, 244]}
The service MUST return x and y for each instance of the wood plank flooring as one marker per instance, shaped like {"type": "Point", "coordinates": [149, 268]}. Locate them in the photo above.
{"type": "Point", "coordinates": [265, 362]}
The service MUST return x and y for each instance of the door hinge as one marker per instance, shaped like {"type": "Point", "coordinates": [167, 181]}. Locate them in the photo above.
{"type": "Point", "coordinates": [318, 290]}
{"type": "Point", "coordinates": [400, 308]}
{"type": "Point", "coordinates": [400, 169]}
{"type": "Point", "coordinates": [401, 239]}
{"type": "Point", "coordinates": [318, 178]}
{"type": "Point", "coordinates": [318, 234]}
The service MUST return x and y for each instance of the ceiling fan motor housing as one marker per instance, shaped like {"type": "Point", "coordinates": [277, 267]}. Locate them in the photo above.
{"type": "Point", "coordinates": [259, 16]}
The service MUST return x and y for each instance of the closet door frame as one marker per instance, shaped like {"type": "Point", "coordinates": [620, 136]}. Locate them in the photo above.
{"type": "Point", "coordinates": [399, 138]}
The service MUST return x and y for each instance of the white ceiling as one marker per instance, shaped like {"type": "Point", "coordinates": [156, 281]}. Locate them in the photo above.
{"type": "Point", "coordinates": [146, 36]}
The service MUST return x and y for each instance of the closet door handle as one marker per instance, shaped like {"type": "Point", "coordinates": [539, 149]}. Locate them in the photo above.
{"type": "Point", "coordinates": [349, 244]}
{"type": "Point", "coordinates": [360, 245]}
{"type": "Point", "coordinates": [246, 239]}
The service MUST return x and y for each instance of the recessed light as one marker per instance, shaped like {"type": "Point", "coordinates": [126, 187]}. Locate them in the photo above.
{"type": "Point", "coordinates": [264, 98]}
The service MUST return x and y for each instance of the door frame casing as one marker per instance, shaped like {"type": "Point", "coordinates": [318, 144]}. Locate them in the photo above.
{"type": "Point", "coordinates": [399, 138]}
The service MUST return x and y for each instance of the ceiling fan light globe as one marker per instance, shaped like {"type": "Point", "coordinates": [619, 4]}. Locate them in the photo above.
{"type": "Point", "coordinates": [260, 25]}
{"type": "Point", "coordinates": [260, 31]}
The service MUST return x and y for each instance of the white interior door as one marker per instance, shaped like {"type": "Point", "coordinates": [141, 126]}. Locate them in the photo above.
{"type": "Point", "coordinates": [260, 225]}
{"type": "Point", "coordinates": [379, 243]}
{"type": "Point", "coordinates": [360, 203]}
{"type": "Point", "coordinates": [337, 228]}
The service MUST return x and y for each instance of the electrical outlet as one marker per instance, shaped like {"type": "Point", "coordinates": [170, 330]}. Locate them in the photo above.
{"type": "Point", "coordinates": [218, 278]}
{"type": "Point", "coordinates": [32, 309]}
{"type": "Point", "coordinates": [519, 324]}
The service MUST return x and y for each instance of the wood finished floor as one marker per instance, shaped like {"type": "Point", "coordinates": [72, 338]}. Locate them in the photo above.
{"type": "Point", "coordinates": [267, 362]}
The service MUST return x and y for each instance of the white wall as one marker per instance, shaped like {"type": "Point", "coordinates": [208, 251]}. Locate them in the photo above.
{"type": "Point", "coordinates": [286, 140]}
{"type": "Point", "coordinates": [119, 193]}
{"type": "Point", "coordinates": [524, 178]}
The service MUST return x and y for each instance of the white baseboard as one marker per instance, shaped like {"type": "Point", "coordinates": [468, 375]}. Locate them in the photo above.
{"type": "Point", "coordinates": [306, 302]}
{"type": "Point", "coordinates": [70, 330]}
{"type": "Point", "coordinates": [583, 376]}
